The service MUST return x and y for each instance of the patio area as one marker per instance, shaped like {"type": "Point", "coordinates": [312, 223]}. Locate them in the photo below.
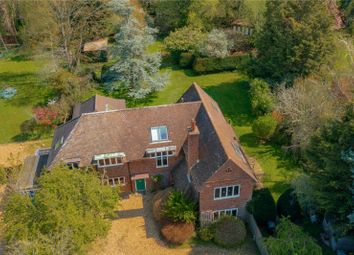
{"type": "Point", "coordinates": [135, 232]}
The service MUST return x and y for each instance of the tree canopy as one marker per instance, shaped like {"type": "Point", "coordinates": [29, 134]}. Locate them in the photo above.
{"type": "Point", "coordinates": [135, 70]}
{"type": "Point", "coordinates": [69, 210]}
{"type": "Point", "coordinates": [329, 170]}
{"type": "Point", "coordinates": [291, 240]}
{"type": "Point", "coordinates": [294, 40]}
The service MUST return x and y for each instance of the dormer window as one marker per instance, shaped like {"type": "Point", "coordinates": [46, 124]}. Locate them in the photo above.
{"type": "Point", "coordinates": [72, 162]}
{"type": "Point", "coordinates": [59, 143]}
{"type": "Point", "coordinates": [238, 151]}
{"type": "Point", "coordinates": [109, 159]}
{"type": "Point", "coordinates": [159, 134]}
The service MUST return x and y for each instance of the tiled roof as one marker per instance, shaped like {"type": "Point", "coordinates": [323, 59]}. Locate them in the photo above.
{"type": "Point", "coordinates": [98, 103]}
{"type": "Point", "coordinates": [126, 130]}
{"type": "Point", "coordinates": [218, 132]}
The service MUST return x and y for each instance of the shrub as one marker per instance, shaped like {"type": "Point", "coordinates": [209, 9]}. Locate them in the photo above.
{"type": "Point", "coordinates": [206, 233]}
{"type": "Point", "coordinates": [185, 39]}
{"type": "Point", "coordinates": [45, 116]}
{"type": "Point", "coordinates": [262, 206]}
{"type": "Point", "coordinates": [229, 231]}
{"type": "Point", "coordinates": [216, 45]}
{"type": "Point", "coordinates": [291, 240]}
{"type": "Point", "coordinates": [214, 65]}
{"type": "Point", "coordinates": [177, 233]}
{"type": "Point", "coordinates": [179, 209]}
{"type": "Point", "coordinates": [158, 202]}
{"type": "Point", "coordinates": [288, 205]}
{"type": "Point", "coordinates": [261, 99]}
{"type": "Point", "coordinates": [264, 127]}
{"type": "Point", "coordinates": [186, 60]}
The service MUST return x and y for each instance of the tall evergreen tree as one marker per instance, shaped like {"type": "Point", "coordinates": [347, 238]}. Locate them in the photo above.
{"type": "Point", "coordinates": [135, 70]}
{"type": "Point", "coordinates": [294, 40]}
{"type": "Point", "coordinates": [330, 171]}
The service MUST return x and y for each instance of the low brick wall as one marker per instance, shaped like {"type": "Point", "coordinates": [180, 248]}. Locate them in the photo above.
{"type": "Point", "coordinates": [257, 235]}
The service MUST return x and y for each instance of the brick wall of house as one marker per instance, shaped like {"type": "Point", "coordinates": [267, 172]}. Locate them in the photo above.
{"type": "Point", "coordinates": [228, 174]}
{"type": "Point", "coordinates": [148, 165]}
{"type": "Point", "coordinates": [118, 171]}
{"type": "Point", "coordinates": [143, 166]}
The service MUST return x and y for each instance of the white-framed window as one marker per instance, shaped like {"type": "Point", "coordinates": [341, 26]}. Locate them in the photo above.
{"type": "Point", "coordinates": [162, 159]}
{"type": "Point", "coordinates": [161, 155]}
{"type": "Point", "coordinates": [109, 159]}
{"type": "Point", "coordinates": [159, 134]}
{"type": "Point", "coordinates": [116, 181]}
{"type": "Point", "coordinates": [73, 165]}
{"type": "Point", "coordinates": [220, 213]}
{"type": "Point", "coordinates": [110, 162]}
{"type": "Point", "coordinates": [227, 192]}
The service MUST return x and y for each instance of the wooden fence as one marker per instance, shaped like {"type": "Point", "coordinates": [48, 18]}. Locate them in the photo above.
{"type": "Point", "coordinates": [257, 235]}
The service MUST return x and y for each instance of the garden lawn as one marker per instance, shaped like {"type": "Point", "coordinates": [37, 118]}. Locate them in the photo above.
{"type": "Point", "coordinates": [22, 75]}
{"type": "Point", "coordinates": [231, 91]}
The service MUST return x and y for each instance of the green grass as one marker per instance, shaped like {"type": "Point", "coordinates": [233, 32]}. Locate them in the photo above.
{"type": "Point", "coordinates": [23, 75]}
{"type": "Point", "coordinates": [231, 91]}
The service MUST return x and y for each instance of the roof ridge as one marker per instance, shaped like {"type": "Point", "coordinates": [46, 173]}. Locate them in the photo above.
{"type": "Point", "coordinates": [199, 91]}
{"type": "Point", "coordinates": [140, 108]}
{"type": "Point", "coordinates": [71, 120]}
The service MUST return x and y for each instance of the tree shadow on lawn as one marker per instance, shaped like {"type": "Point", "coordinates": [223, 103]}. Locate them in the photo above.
{"type": "Point", "coordinates": [233, 99]}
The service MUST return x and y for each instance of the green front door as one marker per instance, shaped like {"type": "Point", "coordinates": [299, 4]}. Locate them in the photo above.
{"type": "Point", "coordinates": [140, 184]}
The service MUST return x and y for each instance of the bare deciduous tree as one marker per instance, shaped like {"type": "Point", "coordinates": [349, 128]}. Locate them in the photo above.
{"type": "Point", "coordinates": [305, 107]}
{"type": "Point", "coordinates": [64, 26]}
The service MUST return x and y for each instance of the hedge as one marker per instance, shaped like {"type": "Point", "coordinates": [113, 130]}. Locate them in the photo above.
{"type": "Point", "coordinates": [186, 60]}
{"type": "Point", "coordinates": [229, 231]}
{"type": "Point", "coordinates": [214, 65]}
{"type": "Point", "coordinates": [288, 205]}
{"type": "Point", "coordinates": [177, 233]}
{"type": "Point", "coordinates": [262, 206]}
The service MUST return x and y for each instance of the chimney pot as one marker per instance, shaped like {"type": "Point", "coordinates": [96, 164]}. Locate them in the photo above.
{"type": "Point", "coordinates": [193, 125]}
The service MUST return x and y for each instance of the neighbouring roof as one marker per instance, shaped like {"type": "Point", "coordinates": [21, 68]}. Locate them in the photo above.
{"type": "Point", "coordinates": [98, 103]}
{"type": "Point", "coordinates": [241, 22]}
{"type": "Point", "coordinates": [28, 173]}
{"type": "Point", "coordinates": [128, 131]}
{"type": "Point", "coordinates": [100, 44]}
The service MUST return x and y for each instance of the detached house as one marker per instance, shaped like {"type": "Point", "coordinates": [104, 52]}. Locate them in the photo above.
{"type": "Point", "coordinates": [189, 144]}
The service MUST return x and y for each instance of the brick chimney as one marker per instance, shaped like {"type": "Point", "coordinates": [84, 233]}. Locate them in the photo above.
{"type": "Point", "coordinates": [192, 145]}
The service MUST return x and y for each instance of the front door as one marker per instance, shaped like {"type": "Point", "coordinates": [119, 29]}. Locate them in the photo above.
{"type": "Point", "coordinates": [140, 185]}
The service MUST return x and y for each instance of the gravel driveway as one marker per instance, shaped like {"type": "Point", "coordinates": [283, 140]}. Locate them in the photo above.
{"type": "Point", "coordinates": [134, 232]}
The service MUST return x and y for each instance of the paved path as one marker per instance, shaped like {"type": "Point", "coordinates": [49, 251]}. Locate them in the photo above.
{"type": "Point", "coordinates": [135, 233]}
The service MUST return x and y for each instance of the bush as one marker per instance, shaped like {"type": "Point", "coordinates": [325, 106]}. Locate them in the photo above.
{"type": "Point", "coordinates": [229, 231]}
{"type": "Point", "coordinates": [214, 65]}
{"type": "Point", "coordinates": [264, 127]}
{"type": "Point", "coordinates": [206, 234]}
{"type": "Point", "coordinates": [262, 206]}
{"type": "Point", "coordinates": [186, 60]}
{"type": "Point", "coordinates": [158, 202]}
{"type": "Point", "coordinates": [291, 240]}
{"type": "Point", "coordinates": [261, 99]}
{"type": "Point", "coordinates": [185, 39]}
{"type": "Point", "coordinates": [216, 45]}
{"type": "Point", "coordinates": [177, 233]}
{"type": "Point", "coordinates": [179, 209]}
{"type": "Point", "coordinates": [288, 205]}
